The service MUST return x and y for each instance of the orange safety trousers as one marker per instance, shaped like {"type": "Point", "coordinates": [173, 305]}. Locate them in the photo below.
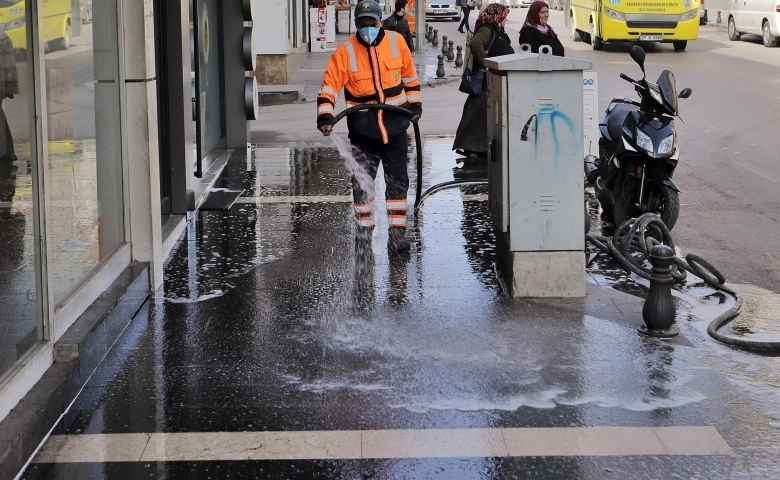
{"type": "Point", "coordinates": [393, 156]}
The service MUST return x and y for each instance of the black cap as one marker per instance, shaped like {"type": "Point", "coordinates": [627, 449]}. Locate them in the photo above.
{"type": "Point", "coordinates": [368, 8]}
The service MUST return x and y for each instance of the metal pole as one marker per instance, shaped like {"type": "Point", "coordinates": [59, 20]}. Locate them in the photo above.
{"type": "Point", "coordinates": [419, 27]}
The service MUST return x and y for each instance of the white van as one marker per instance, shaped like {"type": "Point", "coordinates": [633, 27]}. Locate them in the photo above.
{"type": "Point", "coordinates": [757, 17]}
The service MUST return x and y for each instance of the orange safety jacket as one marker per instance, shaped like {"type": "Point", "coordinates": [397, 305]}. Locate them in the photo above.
{"type": "Point", "coordinates": [379, 73]}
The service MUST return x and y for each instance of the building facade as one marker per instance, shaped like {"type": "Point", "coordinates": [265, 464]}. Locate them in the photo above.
{"type": "Point", "coordinates": [283, 44]}
{"type": "Point", "coordinates": [116, 116]}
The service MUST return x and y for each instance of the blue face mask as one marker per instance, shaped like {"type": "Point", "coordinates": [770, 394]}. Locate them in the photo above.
{"type": "Point", "coordinates": [368, 34]}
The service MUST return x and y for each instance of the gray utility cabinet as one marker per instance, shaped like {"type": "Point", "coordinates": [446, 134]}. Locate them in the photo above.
{"type": "Point", "coordinates": [536, 186]}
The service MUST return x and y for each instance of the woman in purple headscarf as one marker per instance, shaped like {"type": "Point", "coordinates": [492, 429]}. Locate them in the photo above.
{"type": "Point", "coordinates": [536, 32]}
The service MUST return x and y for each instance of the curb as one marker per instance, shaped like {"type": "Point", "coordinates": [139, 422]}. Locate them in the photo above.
{"type": "Point", "coordinates": [441, 81]}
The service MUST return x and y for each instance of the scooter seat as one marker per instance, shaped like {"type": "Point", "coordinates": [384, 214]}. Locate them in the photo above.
{"type": "Point", "coordinates": [615, 118]}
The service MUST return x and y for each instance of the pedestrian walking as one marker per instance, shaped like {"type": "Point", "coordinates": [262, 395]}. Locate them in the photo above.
{"type": "Point", "coordinates": [465, 6]}
{"type": "Point", "coordinates": [537, 32]}
{"type": "Point", "coordinates": [397, 22]}
{"type": "Point", "coordinates": [489, 40]}
{"type": "Point", "coordinates": [374, 66]}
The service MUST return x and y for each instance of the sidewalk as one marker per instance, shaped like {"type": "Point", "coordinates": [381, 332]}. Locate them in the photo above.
{"type": "Point", "coordinates": [276, 351]}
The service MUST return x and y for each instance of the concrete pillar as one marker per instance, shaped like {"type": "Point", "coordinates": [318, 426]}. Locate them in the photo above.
{"type": "Point", "coordinates": [272, 46]}
{"type": "Point", "coordinates": [143, 155]}
{"type": "Point", "coordinates": [277, 56]}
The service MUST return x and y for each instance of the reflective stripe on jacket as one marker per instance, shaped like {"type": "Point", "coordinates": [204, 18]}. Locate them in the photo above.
{"type": "Point", "coordinates": [380, 73]}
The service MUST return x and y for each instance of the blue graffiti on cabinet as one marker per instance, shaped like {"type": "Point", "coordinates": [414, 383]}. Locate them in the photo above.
{"type": "Point", "coordinates": [555, 116]}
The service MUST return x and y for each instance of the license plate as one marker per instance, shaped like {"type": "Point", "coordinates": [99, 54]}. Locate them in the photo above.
{"type": "Point", "coordinates": [440, 11]}
{"type": "Point", "coordinates": [651, 38]}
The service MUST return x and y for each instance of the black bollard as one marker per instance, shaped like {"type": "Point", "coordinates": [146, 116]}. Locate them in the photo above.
{"type": "Point", "coordinates": [459, 57]}
{"type": "Point", "coordinates": [440, 67]}
{"type": "Point", "coordinates": [659, 310]}
{"type": "Point", "coordinates": [435, 40]}
{"type": "Point", "coordinates": [444, 45]}
{"type": "Point", "coordinates": [450, 51]}
{"type": "Point", "coordinates": [429, 33]}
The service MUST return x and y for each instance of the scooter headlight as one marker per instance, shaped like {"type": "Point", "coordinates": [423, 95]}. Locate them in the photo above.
{"type": "Point", "coordinates": [666, 146]}
{"type": "Point", "coordinates": [656, 94]}
{"type": "Point", "coordinates": [644, 142]}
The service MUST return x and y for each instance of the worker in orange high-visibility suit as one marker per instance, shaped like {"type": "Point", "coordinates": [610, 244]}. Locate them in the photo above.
{"type": "Point", "coordinates": [375, 66]}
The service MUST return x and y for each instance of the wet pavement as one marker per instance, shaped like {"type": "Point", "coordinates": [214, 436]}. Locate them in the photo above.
{"type": "Point", "coordinates": [270, 321]}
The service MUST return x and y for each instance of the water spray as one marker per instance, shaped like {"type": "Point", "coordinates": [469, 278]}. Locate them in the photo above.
{"type": "Point", "coordinates": [402, 111]}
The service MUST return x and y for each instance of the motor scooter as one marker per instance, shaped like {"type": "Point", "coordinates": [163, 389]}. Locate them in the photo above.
{"type": "Point", "coordinates": [638, 150]}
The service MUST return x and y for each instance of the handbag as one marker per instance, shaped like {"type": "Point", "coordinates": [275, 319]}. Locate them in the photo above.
{"type": "Point", "coordinates": [473, 82]}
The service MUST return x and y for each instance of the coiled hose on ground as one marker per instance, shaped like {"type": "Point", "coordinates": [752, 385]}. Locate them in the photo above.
{"type": "Point", "coordinates": [630, 246]}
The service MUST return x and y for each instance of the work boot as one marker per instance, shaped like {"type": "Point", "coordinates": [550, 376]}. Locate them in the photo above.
{"type": "Point", "coordinates": [396, 241]}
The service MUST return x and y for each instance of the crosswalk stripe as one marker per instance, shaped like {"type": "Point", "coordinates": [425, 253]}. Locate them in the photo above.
{"type": "Point", "coordinates": [368, 444]}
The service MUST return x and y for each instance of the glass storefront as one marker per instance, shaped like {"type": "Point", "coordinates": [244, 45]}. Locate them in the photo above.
{"type": "Point", "coordinates": [18, 309]}
{"type": "Point", "coordinates": [82, 157]}
{"type": "Point", "coordinates": [210, 125]}
{"type": "Point", "coordinates": [85, 147]}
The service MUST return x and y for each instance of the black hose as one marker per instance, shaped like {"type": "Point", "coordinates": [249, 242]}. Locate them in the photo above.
{"type": "Point", "coordinates": [402, 111]}
{"type": "Point", "coordinates": [373, 106]}
{"type": "Point", "coordinates": [418, 142]}
{"type": "Point", "coordinates": [629, 247]}
{"type": "Point", "coordinates": [446, 185]}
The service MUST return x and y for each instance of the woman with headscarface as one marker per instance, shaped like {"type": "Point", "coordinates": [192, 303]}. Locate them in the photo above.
{"type": "Point", "coordinates": [537, 32]}
{"type": "Point", "coordinates": [489, 40]}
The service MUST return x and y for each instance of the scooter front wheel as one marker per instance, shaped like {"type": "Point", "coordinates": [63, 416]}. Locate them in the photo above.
{"type": "Point", "coordinates": [657, 198]}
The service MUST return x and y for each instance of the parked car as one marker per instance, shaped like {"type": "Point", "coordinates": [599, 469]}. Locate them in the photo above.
{"type": "Point", "coordinates": [442, 11]}
{"type": "Point", "coordinates": [526, 3]}
{"type": "Point", "coordinates": [756, 17]}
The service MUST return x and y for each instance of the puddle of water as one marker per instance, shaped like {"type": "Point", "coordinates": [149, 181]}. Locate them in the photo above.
{"type": "Point", "coordinates": [222, 246]}
{"type": "Point", "coordinates": [472, 363]}
{"type": "Point", "coordinates": [760, 318]}
{"type": "Point", "coordinates": [472, 359]}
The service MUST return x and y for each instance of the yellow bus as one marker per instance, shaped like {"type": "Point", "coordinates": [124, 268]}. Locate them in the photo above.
{"type": "Point", "coordinates": [603, 21]}
{"type": "Point", "coordinates": [57, 23]}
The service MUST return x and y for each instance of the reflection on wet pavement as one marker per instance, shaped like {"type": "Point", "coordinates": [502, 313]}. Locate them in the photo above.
{"type": "Point", "coordinates": [75, 237]}
{"type": "Point", "coordinates": [18, 311]}
{"type": "Point", "coordinates": [273, 319]}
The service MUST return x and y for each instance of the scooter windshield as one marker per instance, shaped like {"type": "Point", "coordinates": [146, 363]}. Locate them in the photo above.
{"type": "Point", "coordinates": [668, 88]}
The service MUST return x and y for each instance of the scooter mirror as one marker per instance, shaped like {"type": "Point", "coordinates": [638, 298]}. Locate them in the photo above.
{"type": "Point", "coordinates": [686, 92]}
{"type": "Point", "coordinates": [639, 56]}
